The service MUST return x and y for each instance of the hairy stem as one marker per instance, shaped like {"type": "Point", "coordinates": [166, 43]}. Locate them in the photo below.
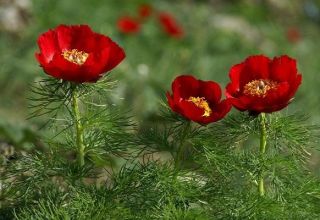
{"type": "Point", "coordinates": [78, 127]}
{"type": "Point", "coordinates": [263, 143]}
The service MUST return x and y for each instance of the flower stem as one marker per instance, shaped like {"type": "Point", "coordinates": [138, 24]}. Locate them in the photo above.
{"type": "Point", "coordinates": [78, 127]}
{"type": "Point", "coordinates": [179, 157]}
{"type": "Point", "coordinates": [263, 143]}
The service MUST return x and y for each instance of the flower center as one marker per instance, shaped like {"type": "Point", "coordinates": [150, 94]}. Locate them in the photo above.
{"type": "Point", "coordinates": [75, 56]}
{"type": "Point", "coordinates": [201, 103]}
{"type": "Point", "coordinates": [259, 87]}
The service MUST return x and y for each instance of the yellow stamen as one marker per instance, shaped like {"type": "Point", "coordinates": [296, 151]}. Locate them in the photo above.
{"type": "Point", "coordinates": [75, 56]}
{"type": "Point", "coordinates": [260, 87]}
{"type": "Point", "coordinates": [201, 103]}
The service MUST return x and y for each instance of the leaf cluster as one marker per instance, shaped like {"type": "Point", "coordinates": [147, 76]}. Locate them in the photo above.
{"type": "Point", "coordinates": [142, 191]}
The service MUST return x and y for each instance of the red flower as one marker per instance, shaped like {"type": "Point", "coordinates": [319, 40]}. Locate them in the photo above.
{"type": "Point", "coordinates": [170, 25]}
{"type": "Point", "coordinates": [145, 10]}
{"type": "Point", "coordinates": [75, 53]}
{"type": "Point", "coordinates": [197, 100]}
{"type": "Point", "coordinates": [293, 35]}
{"type": "Point", "coordinates": [128, 25]}
{"type": "Point", "coordinates": [260, 84]}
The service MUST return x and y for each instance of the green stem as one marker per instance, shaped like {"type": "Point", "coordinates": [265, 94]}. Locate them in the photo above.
{"type": "Point", "coordinates": [79, 128]}
{"type": "Point", "coordinates": [263, 143]}
{"type": "Point", "coordinates": [180, 148]}
{"type": "Point", "coordinates": [179, 156]}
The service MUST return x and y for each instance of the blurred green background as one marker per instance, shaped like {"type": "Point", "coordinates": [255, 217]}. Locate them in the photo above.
{"type": "Point", "coordinates": [218, 34]}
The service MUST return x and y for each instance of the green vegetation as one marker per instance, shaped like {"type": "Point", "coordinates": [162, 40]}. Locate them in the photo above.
{"type": "Point", "coordinates": [138, 159]}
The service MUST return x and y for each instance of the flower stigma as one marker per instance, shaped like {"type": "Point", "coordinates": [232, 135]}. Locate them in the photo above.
{"type": "Point", "coordinates": [201, 103]}
{"type": "Point", "coordinates": [259, 88]}
{"type": "Point", "coordinates": [75, 56]}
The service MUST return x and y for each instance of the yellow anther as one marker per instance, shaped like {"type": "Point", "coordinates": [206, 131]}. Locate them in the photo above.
{"type": "Point", "coordinates": [259, 87]}
{"type": "Point", "coordinates": [75, 56]}
{"type": "Point", "coordinates": [201, 103]}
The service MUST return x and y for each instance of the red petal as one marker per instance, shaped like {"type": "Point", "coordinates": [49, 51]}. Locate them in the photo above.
{"type": "Point", "coordinates": [255, 67]}
{"type": "Point", "coordinates": [102, 61]}
{"type": "Point", "coordinates": [210, 90]}
{"type": "Point", "coordinates": [128, 25]}
{"type": "Point", "coordinates": [64, 35]}
{"type": "Point", "coordinates": [170, 101]}
{"type": "Point", "coordinates": [242, 103]}
{"type": "Point", "coordinates": [280, 96]}
{"type": "Point", "coordinates": [83, 38]}
{"type": "Point", "coordinates": [231, 91]}
{"type": "Point", "coordinates": [145, 10]}
{"type": "Point", "coordinates": [280, 92]}
{"type": "Point", "coordinates": [101, 42]}
{"type": "Point", "coordinates": [106, 56]}
{"type": "Point", "coordinates": [219, 111]}
{"type": "Point", "coordinates": [283, 69]}
{"type": "Point", "coordinates": [234, 73]}
{"type": "Point", "coordinates": [40, 59]}
{"type": "Point", "coordinates": [78, 37]}
{"type": "Point", "coordinates": [48, 45]}
{"type": "Point", "coordinates": [170, 25]}
{"type": "Point", "coordinates": [295, 85]}
{"type": "Point", "coordinates": [63, 69]}
{"type": "Point", "coordinates": [117, 54]}
{"type": "Point", "coordinates": [185, 86]}
{"type": "Point", "coordinates": [190, 111]}
{"type": "Point", "coordinates": [93, 67]}
{"type": "Point", "coordinates": [275, 108]}
{"type": "Point", "coordinates": [233, 88]}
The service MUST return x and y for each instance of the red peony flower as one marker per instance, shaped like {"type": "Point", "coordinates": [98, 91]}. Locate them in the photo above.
{"type": "Point", "coordinates": [170, 25]}
{"type": "Point", "coordinates": [260, 84]}
{"type": "Point", "coordinates": [75, 53]}
{"type": "Point", "coordinates": [197, 100]}
{"type": "Point", "coordinates": [145, 11]}
{"type": "Point", "coordinates": [293, 35]}
{"type": "Point", "coordinates": [128, 25]}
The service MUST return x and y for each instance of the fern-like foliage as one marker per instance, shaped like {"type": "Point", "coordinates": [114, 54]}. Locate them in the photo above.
{"type": "Point", "coordinates": [292, 192]}
{"type": "Point", "coordinates": [168, 169]}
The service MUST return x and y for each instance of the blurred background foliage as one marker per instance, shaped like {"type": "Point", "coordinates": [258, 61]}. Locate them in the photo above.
{"type": "Point", "coordinates": [218, 34]}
